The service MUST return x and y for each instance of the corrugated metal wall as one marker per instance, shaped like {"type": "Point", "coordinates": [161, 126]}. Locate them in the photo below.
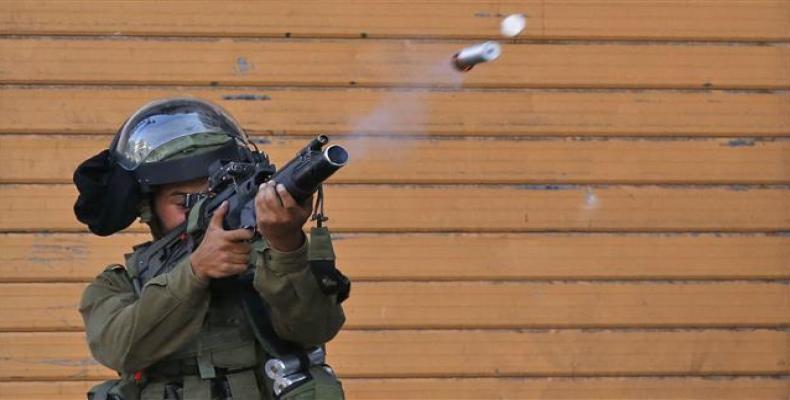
{"type": "Point", "coordinates": [600, 213]}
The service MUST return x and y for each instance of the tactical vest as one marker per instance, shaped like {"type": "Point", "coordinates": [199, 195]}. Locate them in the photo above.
{"type": "Point", "coordinates": [225, 359]}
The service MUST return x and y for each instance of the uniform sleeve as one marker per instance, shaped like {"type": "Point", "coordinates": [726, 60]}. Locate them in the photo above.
{"type": "Point", "coordinates": [127, 333]}
{"type": "Point", "coordinates": [301, 312]}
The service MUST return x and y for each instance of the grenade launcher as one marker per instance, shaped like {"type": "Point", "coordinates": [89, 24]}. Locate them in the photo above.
{"type": "Point", "coordinates": [238, 182]}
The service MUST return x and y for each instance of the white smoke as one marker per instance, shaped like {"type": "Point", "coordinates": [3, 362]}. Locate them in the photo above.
{"type": "Point", "coordinates": [403, 110]}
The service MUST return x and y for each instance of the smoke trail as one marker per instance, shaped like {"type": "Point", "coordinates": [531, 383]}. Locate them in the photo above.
{"type": "Point", "coordinates": [403, 109]}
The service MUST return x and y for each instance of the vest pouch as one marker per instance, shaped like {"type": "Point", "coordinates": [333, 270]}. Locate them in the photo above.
{"type": "Point", "coordinates": [115, 389]}
{"type": "Point", "coordinates": [243, 355]}
{"type": "Point", "coordinates": [322, 386]}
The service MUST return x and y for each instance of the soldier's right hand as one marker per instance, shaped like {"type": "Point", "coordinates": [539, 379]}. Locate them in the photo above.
{"type": "Point", "coordinates": [221, 253]}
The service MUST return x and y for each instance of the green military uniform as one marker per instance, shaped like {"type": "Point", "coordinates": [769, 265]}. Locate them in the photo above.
{"type": "Point", "coordinates": [179, 337]}
{"type": "Point", "coordinates": [180, 327]}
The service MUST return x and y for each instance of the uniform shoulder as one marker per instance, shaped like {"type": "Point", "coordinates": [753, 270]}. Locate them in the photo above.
{"type": "Point", "coordinates": [115, 268]}
{"type": "Point", "coordinates": [113, 277]}
{"type": "Point", "coordinates": [112, 272]}
{"type": "Point", "coordinates": [116, 274]}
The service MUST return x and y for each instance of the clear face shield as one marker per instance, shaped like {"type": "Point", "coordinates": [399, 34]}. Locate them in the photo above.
{"type": "Point", "coordinates": [163, 121]}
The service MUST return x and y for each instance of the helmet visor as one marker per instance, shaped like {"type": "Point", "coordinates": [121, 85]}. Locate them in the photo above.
{"type": "Point", "coordinates": [163, 121]}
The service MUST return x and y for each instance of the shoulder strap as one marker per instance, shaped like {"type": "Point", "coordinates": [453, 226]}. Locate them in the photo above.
{"type": "Point", "coordinates": [131, 267]}
{"type": "Point", "coordinates": [152, 259]}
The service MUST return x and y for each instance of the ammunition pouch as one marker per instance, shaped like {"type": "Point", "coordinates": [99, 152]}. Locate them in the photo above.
{"type": "Point", "coordinates": [233, 385]}
{"type": "Point", "coordinates": [321, 385]}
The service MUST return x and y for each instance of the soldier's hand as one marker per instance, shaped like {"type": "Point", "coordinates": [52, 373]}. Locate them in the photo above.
{"type": "Point", "coordinates": [221, 253]}
{"type": "Point", "coordinates": [280, 217]}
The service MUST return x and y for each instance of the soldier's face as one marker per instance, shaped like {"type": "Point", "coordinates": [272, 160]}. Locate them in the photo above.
{"type": "Point", "coordinates": [169, 201]}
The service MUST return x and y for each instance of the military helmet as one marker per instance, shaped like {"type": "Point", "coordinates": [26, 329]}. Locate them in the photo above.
{"type": "Point", "coordinates": [165, 141]}
{"type": "Point", "coordinates": [175, 140]}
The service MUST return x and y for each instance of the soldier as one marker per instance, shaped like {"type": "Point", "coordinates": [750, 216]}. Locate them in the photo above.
{"type": "Point", "coordinates": [192, 332]}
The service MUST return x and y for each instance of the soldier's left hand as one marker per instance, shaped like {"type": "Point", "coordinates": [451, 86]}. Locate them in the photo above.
{"type": "Point", "coordinates": [280, 217]}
